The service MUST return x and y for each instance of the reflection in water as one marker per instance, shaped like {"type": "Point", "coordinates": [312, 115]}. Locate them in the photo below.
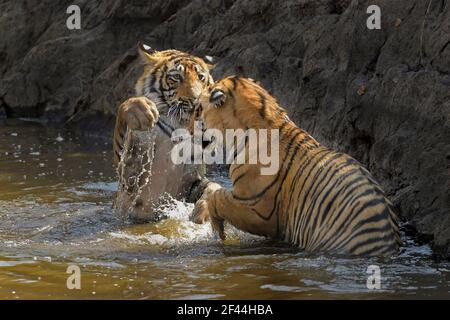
{"type": "Point", "coordinates": [56, 191]}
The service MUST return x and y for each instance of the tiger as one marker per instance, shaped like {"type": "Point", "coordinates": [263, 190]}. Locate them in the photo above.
{"type": "Point", "coordinates": [319, 200]}
{"type": "Point", "coordinates": [166, 95]}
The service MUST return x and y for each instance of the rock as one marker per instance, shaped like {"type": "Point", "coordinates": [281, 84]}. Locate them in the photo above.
{"type": "Point", "coordinates": [382, 96]}
{"type": "Point", "coordinates": [2, 112]}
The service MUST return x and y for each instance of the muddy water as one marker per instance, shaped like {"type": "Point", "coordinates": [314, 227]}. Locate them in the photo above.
{"type": "Point", "coordinates": [56, 191]}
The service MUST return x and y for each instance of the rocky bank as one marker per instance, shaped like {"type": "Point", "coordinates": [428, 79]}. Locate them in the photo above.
{"type": "Point", "coordinates": [381, 95]}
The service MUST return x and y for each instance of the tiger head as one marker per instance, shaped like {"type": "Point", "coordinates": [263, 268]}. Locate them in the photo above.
{"type": "Point", "coordinates": [174, 81]}
{"type": "Point", "coordinates": [239, 103]}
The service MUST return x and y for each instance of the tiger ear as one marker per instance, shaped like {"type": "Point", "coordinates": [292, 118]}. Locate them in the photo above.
{"type": "Point", "coordinates": [209, 62]}
{"type": "Point", "coordinates": [147, 53]}
{"type": "Point", "coordinates": [255, 81]}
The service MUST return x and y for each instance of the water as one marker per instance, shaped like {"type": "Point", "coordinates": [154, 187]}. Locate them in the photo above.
{"type": "Point", "coordinates": [56, 191]}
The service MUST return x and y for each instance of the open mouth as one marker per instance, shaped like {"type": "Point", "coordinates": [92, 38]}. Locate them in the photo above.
{"type": "Point", "coordinates": [180, 111]}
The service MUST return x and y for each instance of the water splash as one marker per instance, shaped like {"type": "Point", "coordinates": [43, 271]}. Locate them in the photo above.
{"type": "Point", "coordinates": [115, 256]}
{"type": "Point", "coordinates": [177, 230]}
{"type": "Point", "coordinates": [135, 171]}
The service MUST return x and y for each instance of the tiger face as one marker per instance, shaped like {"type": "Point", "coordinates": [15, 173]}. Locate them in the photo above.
{"type": "Point", "coordinates": [238, 103]}
{"type": "Point", "coordinates": [174, 81]}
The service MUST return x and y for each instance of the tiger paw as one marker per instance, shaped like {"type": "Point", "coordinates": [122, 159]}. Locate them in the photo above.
{"type": "Point", "coordinates": [139, 113]}
{"type": "Point", "coordinates": [210, 189]}
{"type": "Point", "coordinates": [200, 214]}
{"type": "Point", "coordinates": [217, 224]}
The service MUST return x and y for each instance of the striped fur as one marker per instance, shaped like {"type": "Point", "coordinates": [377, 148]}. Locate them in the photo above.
{"type": "Point", "coordinates": [171, 83]}
{"type": "Point", "coordinates": [319, 200]}
{"type": "Point", "coordinates": [166, 96]}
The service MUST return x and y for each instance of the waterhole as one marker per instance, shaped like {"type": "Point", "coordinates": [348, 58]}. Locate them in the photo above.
{"type": "Point", "coordinates": [56, 193]}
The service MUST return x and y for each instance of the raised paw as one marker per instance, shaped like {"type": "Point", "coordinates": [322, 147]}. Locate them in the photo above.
{"type": "Point", "coordinates": [210, 189]}
{"type": "Point", "coordinates": [201, 214]}
{"type": "Point", "coordinates": [139, 113]}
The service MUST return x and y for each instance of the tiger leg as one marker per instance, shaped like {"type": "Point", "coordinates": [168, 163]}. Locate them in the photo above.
{"type": "Point", "coordinates": [137, 113]}
{"type": "Point", "coordinates": [204, 190]}
{"type": "Point", "coordinates": [221, 206]}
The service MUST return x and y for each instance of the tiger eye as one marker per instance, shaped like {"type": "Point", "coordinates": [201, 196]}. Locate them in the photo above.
{"type": "Point", "coordinates": [175, 77]}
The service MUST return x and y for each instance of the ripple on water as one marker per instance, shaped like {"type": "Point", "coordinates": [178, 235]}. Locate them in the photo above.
{"type": "Point", "coordinates": [59, 214]}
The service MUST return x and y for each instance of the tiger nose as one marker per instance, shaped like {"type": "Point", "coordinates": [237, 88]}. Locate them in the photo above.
{"type": "Point", "coordinates": [196, 90]}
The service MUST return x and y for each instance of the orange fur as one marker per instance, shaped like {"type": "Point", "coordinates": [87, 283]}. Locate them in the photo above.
{"type": "Point", "coordinates": [319, 200]}
{"type": "Point", "coordinates": [166, 95]}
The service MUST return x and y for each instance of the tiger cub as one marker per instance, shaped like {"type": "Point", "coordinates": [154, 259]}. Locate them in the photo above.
{"type": "Point", "coordinates": [319, 200]}
{"type": "Point", "coordinates": [166, 95]}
